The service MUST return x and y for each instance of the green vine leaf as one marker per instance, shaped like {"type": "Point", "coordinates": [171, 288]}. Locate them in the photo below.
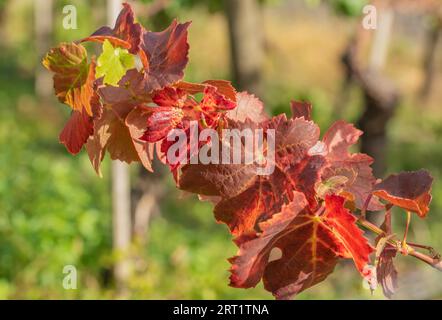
{"type": "Point", "coordinates": [113, 63]}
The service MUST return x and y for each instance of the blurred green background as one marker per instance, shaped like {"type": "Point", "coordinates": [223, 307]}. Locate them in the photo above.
{"type": "Point", "coordinates": [55, 211]}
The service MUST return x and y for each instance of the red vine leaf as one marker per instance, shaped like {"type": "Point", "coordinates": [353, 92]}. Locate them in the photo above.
{"type": "Point", "coordinates": [249, 264]}
{"type": "Point", "coordinates": [408, 190]}
{"type": "Point", "coordinates": [167, 56]}
{"type": "Point", "coordinates": [339, 138]}
{"type": "Point", "coordinates": [167, 53]}
{"type": "Point", "coordinates": [310, 244]}
{"type": "Point", "coordinates": [301, 109]}
{"type": "Point", "coordinates": [305, 175]}
{"type": "Point", "coordinates": [74, 77]}
{"type": "Point", "coordinates": [360, 179]}
{"type": "Point", "coordinates": [126, 33]}
{"type": "Point", "coordinates": [80, 127]}
{"type": "Point", "coordinates": [176, 110]}
{"type": "Point", "coordinates": [167, 116]}
{"type": "Point", "coordinates": [216, 179]}
{"type": "Point", "coordinates": [293, 138]}
{"type": "Point", "coordinates": [386, 271]}
{"type": "Point", "coordinates": [161, 122]}
{"type": "Point", "coordinates": [355, 167]}
{"type": "Point", "coordinates": [76, 131]}
{"type": "Point", "coordinates": [257, 203]}
{"type": "Point", "coordinates": [266, 196]}
{"type": "Point", "coordinates": [248, 198]}
{"type": "Point", "coordinates": [170, 97]}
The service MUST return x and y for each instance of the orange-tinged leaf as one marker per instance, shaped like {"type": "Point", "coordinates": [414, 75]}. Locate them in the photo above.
{"type": "Point", "coordinates": [343, 226]}
{"type": "Point", "coordinates": [120, 137]}
{"type": "Point", "coordinates": [408, 190]}
{"type": "Point", "coordinates": [119, 145]}
{"type": "Point", "coordinates": [96, 144]}
{"type": "Point", "coordinates": [214, 100]}
{"type": "Point", "coordinates": [190, 87]}
{"type": "Point", "coordinates": [76, 131]}
{"type": "Point", "coordinates": [136, 123]}
{"type": "Point", "coordinates": [80, 127]}
{"type": "Point", "coordinates": [110, 134]}
{"type": "Point", "coordinates": [311, 244]}
{"type": "Point", "coordinates": [259, 202]}
{"type": "Point", "coordinates": [224, 87]}
{"type": "Point", "coordinates": [74, 77]}
{"type": "Point", "coordinates": [249, 264]}
{"type": "Point", "coordinates": [266, 196]}
{"type": "Point", "coordinates": [96, 151]}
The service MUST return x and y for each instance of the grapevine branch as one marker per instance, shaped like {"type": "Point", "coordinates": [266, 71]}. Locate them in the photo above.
{"type": "Point", "coordinates": [430, 260]}
{"type": "Point", "coordinates": [302, 208]}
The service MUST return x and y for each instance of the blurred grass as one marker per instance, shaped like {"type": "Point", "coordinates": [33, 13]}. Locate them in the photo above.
{"type": "Point", "coordinates": [55, 211]}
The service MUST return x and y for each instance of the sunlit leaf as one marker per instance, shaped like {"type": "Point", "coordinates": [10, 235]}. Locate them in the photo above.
{"type": "Point", "coordinates": [113, 63]}
{"type": "Point", "coordinates": [74, 77]}
{"type": "Point", "coordinates": [311, 244]}
{"type": "Point", "coordinates": [408, 190]}
{"type": "Point", "coordinates": [126, 33]}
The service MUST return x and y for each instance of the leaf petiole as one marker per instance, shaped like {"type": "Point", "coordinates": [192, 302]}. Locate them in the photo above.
{"type": "Point", "coordinates": [435, 262]}
{"type": "Point", "coordinates": [405, 248]}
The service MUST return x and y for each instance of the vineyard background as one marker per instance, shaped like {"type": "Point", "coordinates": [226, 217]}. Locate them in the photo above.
{"type": "Point", "coordinates": [54, 211]}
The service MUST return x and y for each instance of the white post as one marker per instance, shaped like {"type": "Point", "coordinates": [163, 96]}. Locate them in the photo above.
{"type": "Point", "coordinates": [43, 22]}
{"type": "Point", "coordinates": [379, 51]}
{"type": "Point", "coordinates": [113, 9]}
{"type": "Point", "coordinates": [121, 222]}
{"type": "Point", "coordinates": [121, 218]}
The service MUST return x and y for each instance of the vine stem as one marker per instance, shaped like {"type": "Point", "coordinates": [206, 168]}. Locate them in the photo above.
{"type": "Point", "coordinates": [420, 246]}
{"type": "Point", "coordinates": [364, 209]}
{"type": "Point", "coordinates": [404, 242]}
{"type": "Point", "coordinates": [435, 263]}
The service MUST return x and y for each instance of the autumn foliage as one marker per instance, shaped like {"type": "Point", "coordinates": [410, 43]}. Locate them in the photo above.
{"type": "Point", "coordinates": [292, 226]}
